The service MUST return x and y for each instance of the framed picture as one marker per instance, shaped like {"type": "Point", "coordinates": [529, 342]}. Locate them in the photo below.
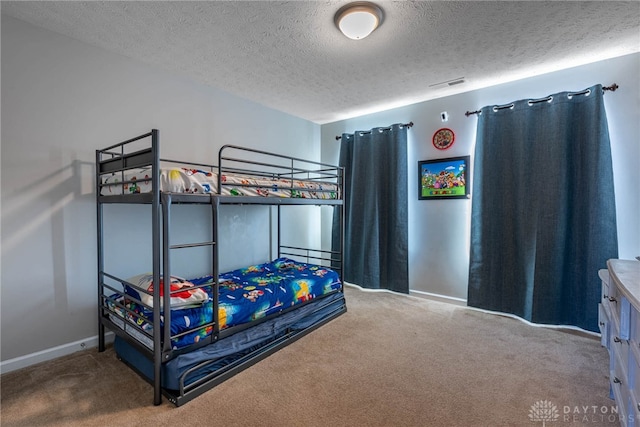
{"type": "Point", "coordinates": [444, 178]}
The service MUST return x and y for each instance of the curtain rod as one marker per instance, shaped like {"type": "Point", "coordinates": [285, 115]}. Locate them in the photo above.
{"type": "Point", "coordinates": [612, 88]}
{"type": "Point", "coordinates": [338, 137]}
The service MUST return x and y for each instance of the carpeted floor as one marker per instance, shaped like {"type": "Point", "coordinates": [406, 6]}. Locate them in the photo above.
{"type": "Point", "coordinates": [391, 360]}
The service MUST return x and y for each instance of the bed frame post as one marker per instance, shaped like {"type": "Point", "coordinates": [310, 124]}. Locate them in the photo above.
{"type": "Point", "coordinates": [343, 211]}
{"type": "Point", "coordinates": [215, 217]}
{"type": "Point", "coordinates": [101, 344]}
{"type": "Point", "coordinates": [155, 219]}
{"type": "Point", "coordinates": [279, 234]}
{"type": "Point", "coordinates": [165, 313]}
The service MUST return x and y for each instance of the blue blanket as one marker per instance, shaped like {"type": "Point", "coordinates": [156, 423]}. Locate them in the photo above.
{"type": "Point", "coordinates": [245, 295]}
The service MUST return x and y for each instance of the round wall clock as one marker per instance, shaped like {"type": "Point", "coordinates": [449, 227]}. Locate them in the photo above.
{"type": "Point", "coordinates": [443, 138]}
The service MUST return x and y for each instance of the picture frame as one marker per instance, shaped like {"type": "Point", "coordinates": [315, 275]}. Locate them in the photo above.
{"type": "Point", "coordinates": [446, 178]}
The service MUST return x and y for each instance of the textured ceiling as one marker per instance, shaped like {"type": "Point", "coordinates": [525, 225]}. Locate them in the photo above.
{"type": "Point", "coordinates": [288, 55]}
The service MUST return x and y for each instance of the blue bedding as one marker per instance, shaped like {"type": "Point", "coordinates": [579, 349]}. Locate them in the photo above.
{"type": "Point", "coordinates": [245, 295]}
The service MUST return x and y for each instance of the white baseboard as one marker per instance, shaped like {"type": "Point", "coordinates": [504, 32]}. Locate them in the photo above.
{"type": "Point", "coordinates": [463, 303]}
{"type": "Point", "coordinates": [539, 325]}
{"type": "Point", "coordinates": [437, 297]}
{"type": "Point", "coordinates": [418, 294]}
{"type": "Point", "coordinates": [52, 353]}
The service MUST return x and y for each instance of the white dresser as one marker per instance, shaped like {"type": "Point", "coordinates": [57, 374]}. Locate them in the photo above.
{"type": "Point", "coordinates": [619, 320]}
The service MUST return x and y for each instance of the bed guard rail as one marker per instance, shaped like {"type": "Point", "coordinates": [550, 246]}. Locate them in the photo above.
{"type": "Point", "coordinates": [253, 162]}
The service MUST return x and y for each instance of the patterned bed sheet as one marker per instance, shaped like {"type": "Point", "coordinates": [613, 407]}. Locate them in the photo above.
{"type": "Point", "coordinates": [245, 295]}
{"type": "Point", "coordinates": [196, 181]}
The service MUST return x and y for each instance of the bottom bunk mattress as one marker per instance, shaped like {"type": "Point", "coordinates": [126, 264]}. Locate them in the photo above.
{"type": "Point", "coordinates": [245, 295]}
{"type": "Point", "coordinates": [200, 365]}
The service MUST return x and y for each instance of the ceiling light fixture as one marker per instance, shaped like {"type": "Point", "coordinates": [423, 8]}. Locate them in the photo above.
{"type": "Point", "coordinates": [358, 19]}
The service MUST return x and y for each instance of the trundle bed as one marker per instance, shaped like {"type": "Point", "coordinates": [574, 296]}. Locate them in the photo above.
{"type": "Point", "coordinates": [223, 322]}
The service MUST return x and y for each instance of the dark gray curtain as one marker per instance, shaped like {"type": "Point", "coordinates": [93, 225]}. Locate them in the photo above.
{"type": "Point", "coordinates": [543, 210]}
{"type": "Point", "coordinates": [376, 235]}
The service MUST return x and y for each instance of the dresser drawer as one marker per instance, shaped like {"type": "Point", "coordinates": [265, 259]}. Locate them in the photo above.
{"type": "Point", "coordinates": [608, 290]}
{"type": "Point", "coordinates": [610, 297]}
{"type": "Point", "coordinates": [633, 418]}
{"type": "Point", "coordinates": [603, 324]}
{"type": "Point", "coordinates": [603, 274]}
{"type": "Point", "coordinates": [620, 353]}
{"type": "Point", "coordinates": [625, 317]}
{"type": "Point", "coordinates": [634, 332]}
{"type": "Point", "coordinates": [634, 376]}
{"type": "Point", "coordinates": [620, 312]}
{"type": "Point", "coordinates": [614, 303]}
{"type": "Point", "coordinates": [621, 394]}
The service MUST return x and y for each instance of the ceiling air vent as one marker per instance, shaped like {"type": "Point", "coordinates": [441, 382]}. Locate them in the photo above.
{"type": "Point", "coordinates": [451, 82]}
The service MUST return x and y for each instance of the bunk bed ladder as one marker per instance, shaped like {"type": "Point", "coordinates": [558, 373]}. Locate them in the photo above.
{"type": "Point", "coordinates": [163, 346]}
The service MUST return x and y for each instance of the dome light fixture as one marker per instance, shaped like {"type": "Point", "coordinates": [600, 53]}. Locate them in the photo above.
{"type": "Point", "coordinates": [358, 19]}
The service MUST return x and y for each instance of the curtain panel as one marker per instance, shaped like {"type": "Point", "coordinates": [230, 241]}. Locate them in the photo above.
{"type": "Point", "coordinates": [543, 209]}
{"type": "Point", "coordinates": [376, 212]}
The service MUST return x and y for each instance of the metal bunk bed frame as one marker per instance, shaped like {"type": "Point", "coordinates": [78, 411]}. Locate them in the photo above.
{"type": "Point", "coordinates": [114, 159]}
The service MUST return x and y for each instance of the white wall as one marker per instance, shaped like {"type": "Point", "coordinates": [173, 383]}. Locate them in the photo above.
{"type": "Point", "coordinates": [62, 100]}
{"type": "Point", "coordinates": [439, 229]}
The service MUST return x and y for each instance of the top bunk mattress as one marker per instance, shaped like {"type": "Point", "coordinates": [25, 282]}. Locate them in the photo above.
{"type": "Point", "coordinates": [196, 181]}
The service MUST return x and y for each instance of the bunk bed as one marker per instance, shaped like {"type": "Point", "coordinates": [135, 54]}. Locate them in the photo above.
{"type": "Point", "coordinates": [187, 335]}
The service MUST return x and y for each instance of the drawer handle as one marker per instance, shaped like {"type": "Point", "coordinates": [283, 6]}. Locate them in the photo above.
{"type": "Point", "coordinates": [616, 339]}
{"type": "Point", "coordinates": [616, 380]}
{"type": "Point", "coordinates": [605, 296]}
{"type": "Point", "coordinates": [612, 299]}
{"type": "Point", "coordinates": [601, 323]}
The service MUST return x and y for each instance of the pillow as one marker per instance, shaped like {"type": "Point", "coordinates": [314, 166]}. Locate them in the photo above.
{"type": "Point", "coordinates": [188, 295]}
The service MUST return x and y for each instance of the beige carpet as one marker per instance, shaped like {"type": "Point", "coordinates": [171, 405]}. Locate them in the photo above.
{"type": "Point", "coordinates": [391, 360]}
